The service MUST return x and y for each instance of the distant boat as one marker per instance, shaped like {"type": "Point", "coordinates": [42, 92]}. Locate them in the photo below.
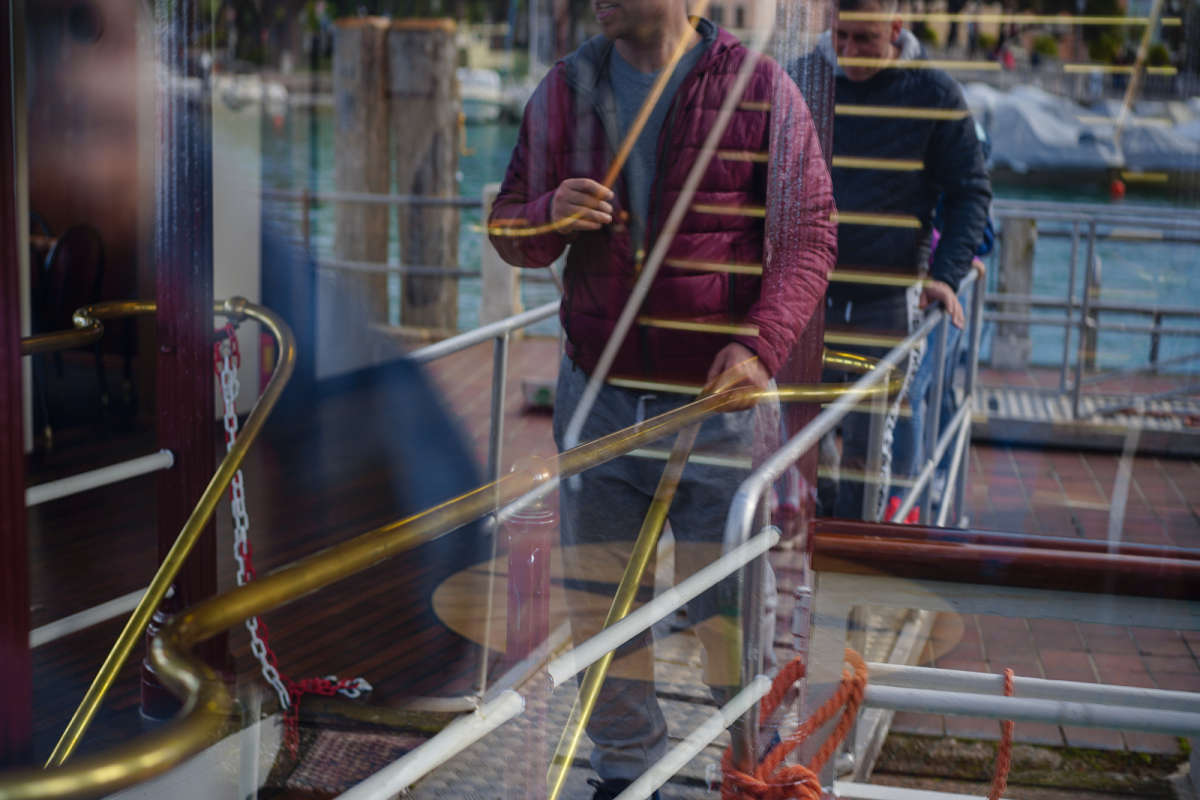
{"type": "Point", "coordinates": [483, 97]}
{"type": "Point", "coordinates": [1032, 131]}
{"type": "Point", "coordinates": [1042, 137]}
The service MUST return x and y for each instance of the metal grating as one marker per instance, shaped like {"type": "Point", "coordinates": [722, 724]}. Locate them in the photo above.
{"type": "Point", "coordinates": [1167, 426]}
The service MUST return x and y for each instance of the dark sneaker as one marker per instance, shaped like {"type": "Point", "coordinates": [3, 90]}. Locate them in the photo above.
{"type": "Point", "coordinates": [608, 790]}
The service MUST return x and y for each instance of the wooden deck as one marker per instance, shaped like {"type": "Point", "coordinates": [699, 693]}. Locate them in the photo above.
{"type": "Point", "coordinates": [310, 483]}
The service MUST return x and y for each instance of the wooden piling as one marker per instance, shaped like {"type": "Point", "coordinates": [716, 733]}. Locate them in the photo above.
{"type": "Point", "coordinates": [353, 301]}
{"type": "Point", "coordinates": [1012, 346]}
{"type": "Point", "coordinates": [424, 108]}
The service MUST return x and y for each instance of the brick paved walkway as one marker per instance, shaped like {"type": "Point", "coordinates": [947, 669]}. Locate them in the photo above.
{"type": "Point", "coordinates": [1063, 493]}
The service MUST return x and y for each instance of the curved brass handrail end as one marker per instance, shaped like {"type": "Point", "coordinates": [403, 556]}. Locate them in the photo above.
{"type": "Point", "coordinates": [204, 718]}
{"type": "Point", "coordinates": [136, 623]}
{"type": "Point", "coordinates": [51, 342]}
{"type": "Point", "coordinates": [847, 362]}
{"type": "Point", "coordinates": [235, 308]}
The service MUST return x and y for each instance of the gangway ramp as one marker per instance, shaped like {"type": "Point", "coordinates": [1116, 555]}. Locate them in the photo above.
{"type": "Point", "coordinates": [1161, 413]}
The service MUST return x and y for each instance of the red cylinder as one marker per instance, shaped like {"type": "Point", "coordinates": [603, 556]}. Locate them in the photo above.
{"type": "Point", "coordinates": [530, 535]}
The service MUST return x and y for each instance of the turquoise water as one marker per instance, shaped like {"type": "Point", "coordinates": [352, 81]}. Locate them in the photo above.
{"type": "Point", "coordinates": [1143, 273]}
{"type": "Point", "coordinates": [1160, 273]}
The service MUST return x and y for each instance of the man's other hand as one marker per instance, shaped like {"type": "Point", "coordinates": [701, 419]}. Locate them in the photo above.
{"type": "Point", "coordinates": [584, 203]}
{"type": "Point", "coordinates": [938, 292]}
{"type": "Point", "coordinates": [737, 365]}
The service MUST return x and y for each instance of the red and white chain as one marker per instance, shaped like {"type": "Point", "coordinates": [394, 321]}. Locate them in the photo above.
{"type": "Point", "coordinates": [912, 299]}
{"type": "Point", "coordinates": [226, 360]}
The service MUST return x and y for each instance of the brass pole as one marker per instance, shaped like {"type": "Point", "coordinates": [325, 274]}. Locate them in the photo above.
{"type": "Point", "coordinates": [236, 308]}
{"type": "Point", "coordinates": [639, 559]}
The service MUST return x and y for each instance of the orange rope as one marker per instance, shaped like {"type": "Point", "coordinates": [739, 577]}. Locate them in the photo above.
{"type": "Point", "coordinates": [1004, 750]}
{"type": "Point", "coordinates": [772, 780]}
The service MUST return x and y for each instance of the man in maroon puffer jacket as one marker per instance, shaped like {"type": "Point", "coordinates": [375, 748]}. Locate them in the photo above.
{"type": "Point", "coordinates": [743, 274]}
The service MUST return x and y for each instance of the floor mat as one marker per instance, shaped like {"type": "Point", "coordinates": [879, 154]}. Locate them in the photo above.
{"type": "Point", "coordinates": [338, 759]}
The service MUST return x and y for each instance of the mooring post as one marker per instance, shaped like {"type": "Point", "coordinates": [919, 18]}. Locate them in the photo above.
{"type": "Point", "coordinates": [424, 107]}
{"type": "Point", "coordinates": [351, 300]}
{"type": "Point", "coordinates": [1012, 347]}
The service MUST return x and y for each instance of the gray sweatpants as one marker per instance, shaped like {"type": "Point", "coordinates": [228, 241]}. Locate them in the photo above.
{"type": "Point", "coordinates": [601, 513]}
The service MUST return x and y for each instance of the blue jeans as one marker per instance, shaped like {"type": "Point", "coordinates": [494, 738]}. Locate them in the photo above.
{"type": "Point", "coordinates": [908, 443]}
{"type": "Point", "coordinates": [600, 516]}
{"type": "Point", "coordinates": [884, 314]}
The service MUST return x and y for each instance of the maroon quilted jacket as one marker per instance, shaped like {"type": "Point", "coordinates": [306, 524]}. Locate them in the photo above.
{"type": "Point", "coordinates": [569, 130]}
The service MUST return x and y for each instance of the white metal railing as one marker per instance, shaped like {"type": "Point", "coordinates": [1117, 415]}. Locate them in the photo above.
{"type": "Point", "coordinates": [1087, 225]}
{"type": "Point", "coordinates": [76, 484]}
{"type": "Point", "coordinates": [498, 333]}
{"type": "Point", "coordinates": [1045, 700]}
{"type": "Point", "coordinates": [73, 623]}
{"type": "Point", "coordinates": [94, 479]}
{"type": "Point", "coordinates": [957, 692]}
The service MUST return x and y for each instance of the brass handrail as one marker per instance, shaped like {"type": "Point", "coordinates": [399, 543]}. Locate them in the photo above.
{"type": "Point", "coordinates": [849, 362]}
{"type": "Point", "coordinates": [62, 340]}
{"type": "Point", "coordinates": [236, 308]}
{"type": "Point", "coordinates": [207, 703]}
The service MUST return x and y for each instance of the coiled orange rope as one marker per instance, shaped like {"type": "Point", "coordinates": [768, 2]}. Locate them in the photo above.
{"type": "Point", "coordinates": [1004, 750]}
{"type": "Point", "coordinates": [773, 780]}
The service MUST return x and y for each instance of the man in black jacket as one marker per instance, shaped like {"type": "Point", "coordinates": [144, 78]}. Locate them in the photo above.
{"type": "Point", "coordinates": [902, 137]}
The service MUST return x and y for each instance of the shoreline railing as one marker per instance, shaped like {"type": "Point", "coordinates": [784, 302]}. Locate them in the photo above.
{"type": "Point", "coordinates": [1079, 313]}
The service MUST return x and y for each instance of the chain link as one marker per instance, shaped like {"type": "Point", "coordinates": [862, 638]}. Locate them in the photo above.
{"type": "Point", "coordinates": [226, 360]}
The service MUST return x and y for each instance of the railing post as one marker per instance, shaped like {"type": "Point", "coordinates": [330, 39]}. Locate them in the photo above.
{"type": "Point", "coordinates": [499, 382]}
{"type": "Point", "coordinates": [933, 411]}
{"type": "Point", "coordinates": [1069, 309]}
{"type": "Point", "coordinates": [744, 733]}
{"type": "Point", "coordinates": [1155, 338]}
{"type": "Point", "coordinates": [1085, 308]}
{"type": "Point", "coordinates": [1093, 292]}
{"type": "Point", "coordinates": [975, 331]}
{"type": "Point", "coordinates": [872, 484]}
{"type": "Point", "coordinates": [305, 220]}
